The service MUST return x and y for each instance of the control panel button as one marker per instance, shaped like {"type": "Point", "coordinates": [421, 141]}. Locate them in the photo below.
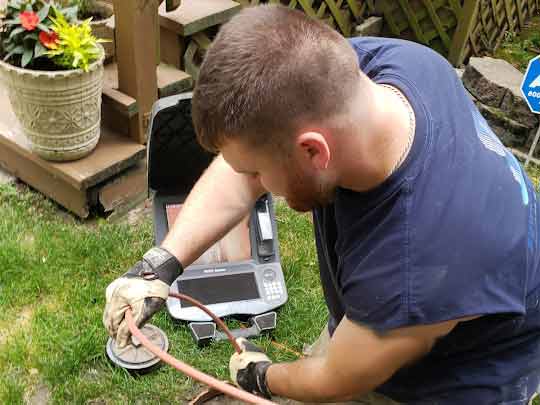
{"type": "Point", "coordinates": [269, 275]}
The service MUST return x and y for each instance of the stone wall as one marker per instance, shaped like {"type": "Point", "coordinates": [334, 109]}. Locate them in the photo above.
{"type": "Point", "coordinates": [494, 85]}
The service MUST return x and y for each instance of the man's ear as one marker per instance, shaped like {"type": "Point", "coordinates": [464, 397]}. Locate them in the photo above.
{"type": "Point", "coordinates": [314, 147]}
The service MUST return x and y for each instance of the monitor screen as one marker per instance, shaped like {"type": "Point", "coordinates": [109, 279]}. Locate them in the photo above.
{"type": "Point", "coordinates": [215, 290]}
{"type": "Point", "coordinates": [233, 247]}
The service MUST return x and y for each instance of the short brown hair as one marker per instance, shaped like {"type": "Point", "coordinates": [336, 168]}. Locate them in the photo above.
{"type": "Point", "coordinates": [268, 71]}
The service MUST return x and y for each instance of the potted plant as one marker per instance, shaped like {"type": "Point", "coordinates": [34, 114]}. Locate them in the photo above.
{"type": "Point", "coordinates": [52, 67]}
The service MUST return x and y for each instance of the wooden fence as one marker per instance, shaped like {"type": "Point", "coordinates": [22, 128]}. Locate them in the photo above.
{"type": "Point", "coordinates": [342, 15]}
{"type": "Point", "coordinates": [485, 22]}
{"type": "Point", "coordinates": [456, 28]}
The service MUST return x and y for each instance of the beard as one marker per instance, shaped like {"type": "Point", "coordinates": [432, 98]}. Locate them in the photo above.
{"type": "Point", "coordinates": [304, 193]}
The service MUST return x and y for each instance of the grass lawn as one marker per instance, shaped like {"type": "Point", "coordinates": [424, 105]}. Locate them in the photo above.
{"type": "Point", "coordinates": [54, 271]}
{"type": "Point", "coordinates": [54, 274]}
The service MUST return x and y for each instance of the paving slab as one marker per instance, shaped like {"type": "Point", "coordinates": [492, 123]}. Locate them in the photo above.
{"type": "Point", "coordinates": [496, 83]}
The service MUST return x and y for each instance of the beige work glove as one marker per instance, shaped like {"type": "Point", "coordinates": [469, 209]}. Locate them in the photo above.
{"type": "Point", "coordinates": [248, 369]}
{"type": "Point", "coordinates": [144, 289]}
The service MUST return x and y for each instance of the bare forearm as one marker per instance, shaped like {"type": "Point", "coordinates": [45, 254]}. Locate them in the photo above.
{"type": "Point", "coordinates": [219, 200]}
{"type": "Point", "coordinates": [308, 380]}
{"type": "Point", "coordinates": [357, 361]}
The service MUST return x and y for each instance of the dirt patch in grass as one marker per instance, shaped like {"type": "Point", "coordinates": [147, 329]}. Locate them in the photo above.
{"type": "Point", "coordinates": [38, 395]}
{"type": "Point", "coordinates": [21, 322]}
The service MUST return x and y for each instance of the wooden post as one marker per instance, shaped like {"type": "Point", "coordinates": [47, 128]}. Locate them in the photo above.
{"type": "Point", "coordinates": [464, 28]}
{"type": "Point", "coordinates": [136, 42]}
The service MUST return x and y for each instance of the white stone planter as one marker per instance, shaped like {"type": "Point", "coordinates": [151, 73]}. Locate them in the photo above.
{"type": "Point", "coordinates": [59, 111]}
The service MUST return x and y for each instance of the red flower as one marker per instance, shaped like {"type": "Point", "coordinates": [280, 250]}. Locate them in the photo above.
{"type": "Point", "coordinates": [29, 20]}
{"type": "Point", "coordinates": [48, 40]}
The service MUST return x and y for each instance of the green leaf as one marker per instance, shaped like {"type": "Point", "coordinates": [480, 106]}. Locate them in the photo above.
{"type": "Point", "coordinates": [44, 12]}
{"type": "Point", "coordinates": [10, 46]}
{"type": "Point", "coordinates": [76, 59]}
{"type": "Point", "coordinates": [32, 36]}
{"type": "Point", "coordinates": [12, 22]}
{"type": "Point", "coordinates": [19, 50]}
{"type": "Point", "coordinates": [43, 27]}
{"type": "Point", "coordinates": [39, 50]}
{"type": "Point", "coordinates": [16, 31]}
{"type": "Point", "coordinates": [15, 4]}
{"type": "Point", "coordinates": [70, 13]}
{"type": "Point", "coordinates": [27, 56]}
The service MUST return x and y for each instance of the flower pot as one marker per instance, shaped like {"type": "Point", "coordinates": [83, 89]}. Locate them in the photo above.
{"type": "Point", "coordinates": [59, 111]}
{"type": "Point", "coordinates": [103, 24]}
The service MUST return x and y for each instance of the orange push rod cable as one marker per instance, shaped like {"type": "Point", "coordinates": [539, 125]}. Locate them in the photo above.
{"type": "Point", "coordinates": [187, 369]}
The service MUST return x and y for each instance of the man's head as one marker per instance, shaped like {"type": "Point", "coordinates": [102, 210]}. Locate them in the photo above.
{"type": "Point", "coordinates": [273, 92]}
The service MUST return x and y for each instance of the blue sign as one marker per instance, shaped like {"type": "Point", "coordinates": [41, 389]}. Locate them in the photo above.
{"type": "Point", "coordinates": [530, 87]}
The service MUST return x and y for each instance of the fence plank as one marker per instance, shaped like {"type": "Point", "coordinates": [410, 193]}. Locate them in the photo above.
{"type": "Point", "coordinates": [494, 11]}
{"type": "Point", "coordinates": [413, 22]}
{"type": "Point", "coordinates": [450, 21]}
{"type": "Point", "coordinates": [463, 32]}
{"type": "Point", "coordinates": [306, 6]}
{"type": "Point", "coordinates": [353, 6]}
{"type": "Point", "coordinates": [527, 12]}
{"type": "Point", "coordinates": [472, 41]}
{"type": "Point", "coordinates": [508, 9]}
{"type": "Point", "coordinates": [456, 7]}
{"type": "Point", "coordinates": [483, 16]}
{"type": "Point", "coordinates": [530, 8]}
{"type": "Point", "coordinates": [437, 22]}
{"type": "Point", "coordinates": [500, 35]}
{"type": "Point", "coordinates": [389, 18]}
{"type": "Point", "coordinates": [501, 13]}
{"type": "Point", "coordinates": [338, 16]}
{"type": "Point", "coordinates": [321, 10]}
{"type": "Point", "coordinates": [519, 12]}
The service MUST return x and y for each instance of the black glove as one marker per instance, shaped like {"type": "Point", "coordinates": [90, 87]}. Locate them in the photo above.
{"type": "Point", "coordinates": [144, 289]}
{"type": "Point", "coordinates": [248, 369]}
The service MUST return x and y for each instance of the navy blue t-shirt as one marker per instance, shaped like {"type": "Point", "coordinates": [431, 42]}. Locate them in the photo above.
{"type": "Point", "coordinates": [452, 233]}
